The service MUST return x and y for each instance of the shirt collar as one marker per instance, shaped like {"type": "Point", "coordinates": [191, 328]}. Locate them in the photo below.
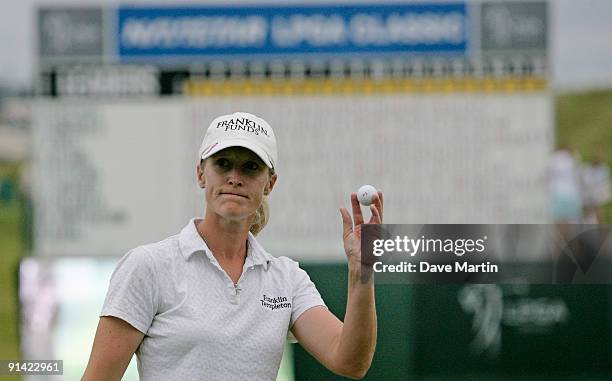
{"type": "Point", "coordinates": [256, 254]}
{"type": "Point", "coordinates": [191, 242]}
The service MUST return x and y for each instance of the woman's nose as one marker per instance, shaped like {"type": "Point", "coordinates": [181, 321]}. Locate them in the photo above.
{"type": "Point", "coordinates": [234, 178]}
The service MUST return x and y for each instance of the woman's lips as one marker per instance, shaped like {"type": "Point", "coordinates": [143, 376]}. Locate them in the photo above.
{"type": "Point", "coordinates": [231, 194]}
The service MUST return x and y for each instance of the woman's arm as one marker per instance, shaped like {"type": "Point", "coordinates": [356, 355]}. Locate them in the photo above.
{"type": "Point", "coordinates": [346, 348]}
{"type": "Point", "coordinates": [113, 347]}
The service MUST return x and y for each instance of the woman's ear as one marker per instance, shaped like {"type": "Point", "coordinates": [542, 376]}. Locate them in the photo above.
{"type": "Point", "coordinates": [200, 175]}
{"type": "Point", "coordinates": [270, 184]}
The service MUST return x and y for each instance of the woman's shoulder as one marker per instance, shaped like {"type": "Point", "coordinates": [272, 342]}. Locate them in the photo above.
{"type": "Point", "coordinates": [155, 252]}
{"type": "Point", "coordinates": [282, 261]}
{"type": "Point", "coordinates": [286, 265]}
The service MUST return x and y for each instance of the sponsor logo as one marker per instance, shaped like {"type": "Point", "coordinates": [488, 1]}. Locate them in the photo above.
{"type": "Point", "coordinates": [275, 303]}
{"type": "Point", "coordinates": [221, 31]}
{"type": "Point", "coordinates": [195, 32]}
{"type": "Point", "coordinates": [494, 307]}
{"type": "Point", "coordinates": [243, 124]}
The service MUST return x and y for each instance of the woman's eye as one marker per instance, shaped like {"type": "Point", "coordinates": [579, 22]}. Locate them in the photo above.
{"type": "Point", "coordinates": [224, 163]}
{"type": "Point", "coordinates": [251, 166]}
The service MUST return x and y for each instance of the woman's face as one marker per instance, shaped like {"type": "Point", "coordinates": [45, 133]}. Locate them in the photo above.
{"type": "Point", "coordinates": [235, 180]}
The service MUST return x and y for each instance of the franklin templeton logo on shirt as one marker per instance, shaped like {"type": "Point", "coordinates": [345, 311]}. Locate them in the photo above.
{"type": "Point", "coordinates": [243, 124]}
{"type": "Point", "coordinates": [275, 303]}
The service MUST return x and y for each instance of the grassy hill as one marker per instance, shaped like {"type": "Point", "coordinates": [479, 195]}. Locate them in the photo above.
{"type": "Point", "coordinates": [10, 252]}
{"type": "Point", "coordinates": [584, 121]}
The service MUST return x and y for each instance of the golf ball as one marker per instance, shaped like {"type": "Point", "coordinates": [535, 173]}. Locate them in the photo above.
{"type": "Point", "coordinates": [365, 194]}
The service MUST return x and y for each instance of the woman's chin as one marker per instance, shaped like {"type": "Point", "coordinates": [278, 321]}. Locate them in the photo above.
{"type": "Point", "coordinates": [235, 213]}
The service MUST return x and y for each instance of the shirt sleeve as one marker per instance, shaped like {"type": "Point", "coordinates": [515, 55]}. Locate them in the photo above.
{"type": "Point", "coordinates": [132, 293]}
{"type": "Point", "coordinates": [305, 294]}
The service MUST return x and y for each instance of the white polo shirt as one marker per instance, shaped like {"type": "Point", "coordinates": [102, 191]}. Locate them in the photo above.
{"type": "Point", "coordinates": [197, 324]}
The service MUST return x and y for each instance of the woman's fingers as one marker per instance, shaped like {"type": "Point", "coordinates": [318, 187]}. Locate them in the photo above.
{"type": "Point", "coordinates": [347, 223]}
{"type": "Point", "coordinates": [376, 210]}
{"type": "Point", "coordinates": [357, 215]}
{"type": "Point", "coordinates": [378, 202]}
{"type": "Point", "coordinates": [376, 218]}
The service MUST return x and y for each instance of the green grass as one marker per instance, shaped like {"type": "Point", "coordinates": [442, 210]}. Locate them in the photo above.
{"type": "Point", "coordinates": [584, 121]}
{"type": "Point", "coordinates": [10, 251]}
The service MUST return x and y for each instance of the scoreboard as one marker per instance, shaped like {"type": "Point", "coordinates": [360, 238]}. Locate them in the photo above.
{"type": "Point", "coordinates": [442, 105]}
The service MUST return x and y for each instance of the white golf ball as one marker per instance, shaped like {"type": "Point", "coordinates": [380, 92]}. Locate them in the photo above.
{"type": "Point", "coordinates": [365, 194]}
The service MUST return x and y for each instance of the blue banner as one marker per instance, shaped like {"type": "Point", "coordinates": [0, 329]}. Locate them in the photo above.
{"type": "Point", "coordinates": [145, 32]}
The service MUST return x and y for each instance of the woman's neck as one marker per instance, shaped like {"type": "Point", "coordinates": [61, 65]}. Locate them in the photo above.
{"type": "Point", "coordinates": [226, 239]}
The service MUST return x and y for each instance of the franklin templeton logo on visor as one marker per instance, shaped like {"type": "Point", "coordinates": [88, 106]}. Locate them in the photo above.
{"type": "Point", "coordinates": [275, 303]}
{"type": "Point", "coordinates": [243, 124]}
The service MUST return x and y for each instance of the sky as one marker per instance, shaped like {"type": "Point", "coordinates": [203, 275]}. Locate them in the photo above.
{"type": "Point", "coordinates": [581, 38]}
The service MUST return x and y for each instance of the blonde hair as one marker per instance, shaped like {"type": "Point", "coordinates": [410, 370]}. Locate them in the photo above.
{"type": "Point", "coordinates": [262, 214]}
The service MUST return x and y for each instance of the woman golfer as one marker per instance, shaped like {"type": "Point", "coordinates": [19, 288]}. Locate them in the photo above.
{"type": "Point", "coordinates": [210, 303]}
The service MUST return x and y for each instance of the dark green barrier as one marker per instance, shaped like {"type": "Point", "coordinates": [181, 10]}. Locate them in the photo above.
{"type": "Point", "coordinates": [511, 329]}
{"type": "Point", "coordinates": [393, 356]}
{"type": "Point", "coordinates": [477, 332]}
